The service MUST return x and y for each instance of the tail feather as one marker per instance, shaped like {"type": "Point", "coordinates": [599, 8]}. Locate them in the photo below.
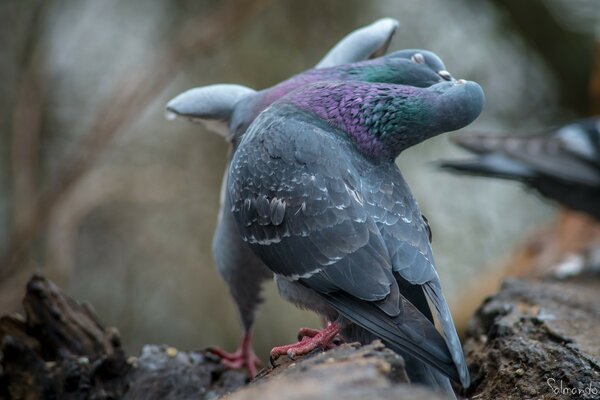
{"type": "Point", "coordinates": [417, 371]}
{"type": "Point", "coordinates": [423, 374]}
{"type": "Point", "coordinates": [429, 347]}
{"type": "Point", "coordinates": [434, 294]}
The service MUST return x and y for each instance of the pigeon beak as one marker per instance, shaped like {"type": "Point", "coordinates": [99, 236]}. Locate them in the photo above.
{"type": "Point", "coordinates": [460, 103]}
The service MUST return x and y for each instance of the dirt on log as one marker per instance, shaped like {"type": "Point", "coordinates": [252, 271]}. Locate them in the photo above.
{"type": "Point", "coordinates": [537, 340]}
{"type": "Point", "coordinates": [59, 350]}
{"type": "Point", "coordinates": [348, 372]}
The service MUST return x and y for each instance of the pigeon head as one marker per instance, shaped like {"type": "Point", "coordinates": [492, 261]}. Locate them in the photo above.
{"type": "Point", "coordinates": [419, 68]}
{"type": "Point", "coordinates": [383, 119]}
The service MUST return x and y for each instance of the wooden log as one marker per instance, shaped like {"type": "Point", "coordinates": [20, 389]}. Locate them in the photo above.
{"type": "Point", "coordinates": [532, 339]}
{"type": "Point", "coordinates": [537, 339]}
{"type": "Point", "coordinates": [60, 350]}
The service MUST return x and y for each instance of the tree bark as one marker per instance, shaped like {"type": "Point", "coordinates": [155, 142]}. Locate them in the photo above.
{"type": "Point", "coordinates": [534, 339]}
{"type": "Point", "coordinates": [60, 350]}
{"type": "Point", "coordinates": [537, 339]}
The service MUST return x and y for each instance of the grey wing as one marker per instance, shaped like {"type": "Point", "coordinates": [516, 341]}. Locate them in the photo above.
{"type": "Point", "coordinates": [406, 234]}
{"type": "Point", "coordinates": [299, 204]}
{"type": "Point", "coordinates": [548, 156]}
{"type": "Point", "coordinates": [210, 105]}
{"type": "Point", "coordinates": [297, 201]}
{"type": "Point", "coordinates": [361, 44]}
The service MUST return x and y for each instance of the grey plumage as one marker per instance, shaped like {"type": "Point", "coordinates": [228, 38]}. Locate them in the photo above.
{"type": "Point", "coordinates": [352, 244]}
{"type": "Point", "coordinates": [235, 107]}
{"type": "Point", "coordinates": [229, 109]}
{"type": "Point", "coordinates": [364, 43]}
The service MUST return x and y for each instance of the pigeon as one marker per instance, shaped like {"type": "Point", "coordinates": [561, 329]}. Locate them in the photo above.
{"type": "Point", "coordinates": [233, 107]}
{"type": "Point", "coordinates": [316, 194]}
{"type": "Point", "coordinates": [228, 109]}
{"type": "Point", "coordinates": [562, 164]}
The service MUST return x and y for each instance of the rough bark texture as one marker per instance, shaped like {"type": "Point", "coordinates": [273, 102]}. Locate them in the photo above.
{"type": "Point", "coordinates": [348, 372]}
{"type": "Point", "coordinates": [60, 350]}
{"type": "Point", "coordinates": [534, 335]}
{"type": "Point", "coordinates": [523, 343]}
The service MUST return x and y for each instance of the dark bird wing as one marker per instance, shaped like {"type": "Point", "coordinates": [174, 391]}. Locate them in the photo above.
{"type": "Point", "coordinates": [312, 209]}
{"type": "Point", "coordinates": [570, 154]}
{"type": "Point", "coordinates": [563, 164]}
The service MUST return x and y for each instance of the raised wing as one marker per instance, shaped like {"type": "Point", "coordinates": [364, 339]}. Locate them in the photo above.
{"type": "Point", "coordinates": [361, 44]}
{"type": "Point", "coordinates": [211, 105]}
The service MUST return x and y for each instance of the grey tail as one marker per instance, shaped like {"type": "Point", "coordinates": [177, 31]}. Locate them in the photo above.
{"type": "Point", "coordinates": [421, 373]}
{"type": "Point", "coordinates": [418, 372]}
{"type": "Point", "coordinates": [395, 334]}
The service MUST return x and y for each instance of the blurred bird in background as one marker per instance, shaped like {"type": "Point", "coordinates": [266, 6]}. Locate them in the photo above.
{"type": "Point", "coordinates": [317, 195]}
{"type": "Point", "coordinates": [562, 164]}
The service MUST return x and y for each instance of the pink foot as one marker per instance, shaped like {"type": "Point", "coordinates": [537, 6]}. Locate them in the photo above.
{"type": "Point", "coordinates": [307, 332]}
{"type": "Point", "coordinates": [309, 342]}
{"type": "Point", "coordinates": [311, 333]}
{"type": "Point", "coordinates": [243, 357]}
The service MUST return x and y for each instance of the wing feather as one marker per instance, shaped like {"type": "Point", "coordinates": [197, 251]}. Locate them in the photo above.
{"type": "Point", "coordinates": [342, 226]}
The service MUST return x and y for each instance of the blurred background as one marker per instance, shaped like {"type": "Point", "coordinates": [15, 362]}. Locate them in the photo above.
{"type": "Point", "coordinates": [102, 194]}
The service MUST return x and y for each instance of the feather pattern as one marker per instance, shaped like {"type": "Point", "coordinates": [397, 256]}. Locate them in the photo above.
{"type": "Point", "coordinates": [351, 231]}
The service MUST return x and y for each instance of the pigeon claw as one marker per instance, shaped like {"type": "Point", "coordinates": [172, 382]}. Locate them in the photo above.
{"type": "Point", "coordinates": [311, 332]}
{"type": "Point", "coordinates": [243, 357]}
{"type": "Point", "coordinates": [307, 332]}
{"type": "Point", "coordinates": [310, 340]}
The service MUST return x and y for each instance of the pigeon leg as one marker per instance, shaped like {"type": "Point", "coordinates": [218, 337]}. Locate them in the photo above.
{"type": "Point", "coordinates": [322, 339]}
{"type": "Point", "coordinates": [243, 357]}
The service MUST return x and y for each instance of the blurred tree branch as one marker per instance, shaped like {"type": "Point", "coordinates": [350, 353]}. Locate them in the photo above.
{"type": "Point", "coordinates": [131, 95]}
{"type": "Point", "coordinates": [26, 122]}
{"type": "Point", "coordinates": [142, 185]}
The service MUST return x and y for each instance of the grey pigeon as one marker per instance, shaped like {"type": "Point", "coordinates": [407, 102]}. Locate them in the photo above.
{"type": "Point", "coordinates": [228, 109]}
{"type": "Point", "coordinates": [562, 164]}
{"type": "Point", "coordinates": [237, 106]}
{"type": "Point", "coordinates": [317, 196]}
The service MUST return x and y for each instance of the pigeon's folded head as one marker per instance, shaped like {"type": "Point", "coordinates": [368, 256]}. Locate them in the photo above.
{"type": "Point", "coordinates": [383, 119]}
{"type": "Point", "coordinates": [412, 67]}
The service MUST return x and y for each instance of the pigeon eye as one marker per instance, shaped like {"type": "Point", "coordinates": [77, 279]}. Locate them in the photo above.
{"type": "Point", "coordinates": [418, 58]}
{"type": "Point", "coordinates": [445, 75]}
